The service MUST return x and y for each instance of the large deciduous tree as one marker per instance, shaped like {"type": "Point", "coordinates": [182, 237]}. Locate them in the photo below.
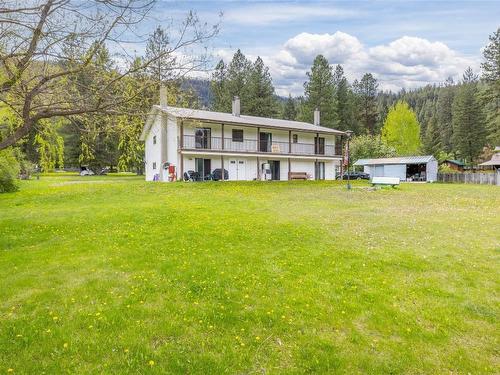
{"type": "Point", "coordinates": [401, 129]}
{"type": "Point", "coordinates": [49, 45]}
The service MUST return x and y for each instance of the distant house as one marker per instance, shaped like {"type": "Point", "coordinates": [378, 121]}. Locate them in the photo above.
{"type": "Point", "coordinates": [183, 143]}
{"type": "Point", "coordinates": [494, 162]}
{"type": "Point", "coordinates": [407, 168]}
{"type": "Point", "coordinates": [456, 165]}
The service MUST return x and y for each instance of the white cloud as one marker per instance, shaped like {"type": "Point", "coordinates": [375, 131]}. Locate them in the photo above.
{"type": "Point", "coordinates": [337, 48]}
{"type": "Point", "coordinates": [407, 62]}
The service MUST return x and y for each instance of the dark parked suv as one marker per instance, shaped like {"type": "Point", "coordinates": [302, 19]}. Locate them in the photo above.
{"type": "Point", "coordinates": [355, 176]}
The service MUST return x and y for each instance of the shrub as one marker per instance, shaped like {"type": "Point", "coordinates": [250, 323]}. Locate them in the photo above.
{"type": "Point", "coordinates": [9, 172]}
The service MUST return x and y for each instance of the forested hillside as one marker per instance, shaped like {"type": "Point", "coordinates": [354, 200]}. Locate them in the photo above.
{"type": "Point", "coordinates": [459, 120]}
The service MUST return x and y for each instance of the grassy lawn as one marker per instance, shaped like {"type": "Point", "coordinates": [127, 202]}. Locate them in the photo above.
{"type": "Point", "coordinates": [115, 275]}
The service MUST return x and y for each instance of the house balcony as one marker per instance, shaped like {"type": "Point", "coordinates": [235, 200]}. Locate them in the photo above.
{"type": "Point", "coordinates": [253, 146]}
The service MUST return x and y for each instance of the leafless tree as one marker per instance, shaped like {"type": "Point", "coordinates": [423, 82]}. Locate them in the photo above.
{"type": "Point", "coordinates": [47, 45]}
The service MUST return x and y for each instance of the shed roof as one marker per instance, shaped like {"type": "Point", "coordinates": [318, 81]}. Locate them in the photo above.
{"type": "Point", "coordinates": [229, 118]}
{"type": "Point", "coordinates": [397, 160]}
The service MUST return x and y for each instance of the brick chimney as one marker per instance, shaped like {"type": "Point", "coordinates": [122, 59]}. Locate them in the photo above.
{"type": "Point", "coordinates": [316, 117]}
{"type": "Point", "coordinates": [236, 106]}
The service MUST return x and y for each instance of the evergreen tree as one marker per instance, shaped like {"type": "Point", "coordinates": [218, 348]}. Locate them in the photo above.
{"type": "Point", "coordinates": [290, 112]}
{"type": "Point", "coordinates": [366, 90]}
{"type": "Point", "coordinates": [401, 129]}
{"type": "Point", "coordinates": [343, 102]}
{"type": "Point", "coordinates": [238, 74]}
{"type": "Point", "coordinates": [261, 100]}
{"type": "Point", "coordinates": [221, 101]}
{"type": "Point", "coordinates": [319, 93]}
{"type": "Point", "coordinates": [432, 139]}
{"type": "Point", "coordinates": [157, 50]}
{"type": "Point", "coordinates": [469, 135]}
{"type": "Point", "coordinates": [444, 115]}
{"type": "Point", "coordinates": [491, 75]}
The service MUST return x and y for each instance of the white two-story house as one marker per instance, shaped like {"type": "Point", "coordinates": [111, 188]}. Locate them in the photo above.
{"type": "Point", "coordinates": [182, 143]}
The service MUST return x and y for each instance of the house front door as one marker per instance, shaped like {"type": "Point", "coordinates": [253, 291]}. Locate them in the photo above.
{"type": "Point", "coordinates": [237, 170]}
{"type": "Point", "coordinates": [319, 170]}
{"type": "Point", "coordinates": [275, 169]}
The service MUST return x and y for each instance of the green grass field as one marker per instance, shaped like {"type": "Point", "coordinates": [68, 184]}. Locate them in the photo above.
{"type": "Point", "coordinates": [116, 275]}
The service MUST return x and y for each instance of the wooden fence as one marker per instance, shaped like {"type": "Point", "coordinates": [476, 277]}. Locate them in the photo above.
{"type": "Point", "coordinates": [470, 178]}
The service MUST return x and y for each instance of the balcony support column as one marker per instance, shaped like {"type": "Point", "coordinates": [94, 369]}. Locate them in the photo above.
{"type": "Point", "coordinates": [181, 143]}
{"type": "Point", "coordinates": [258, 140]}
{"type": "Point", "coordinates": [222, 140]}
{"type": "Point", "coordinates": [222, 161]}
{"type": "Point", "coordinates": [289, 142]}
{"type": "Point", "coordinates": [181, 166]}
{"type": "Point", "coordinates": [258, 169]}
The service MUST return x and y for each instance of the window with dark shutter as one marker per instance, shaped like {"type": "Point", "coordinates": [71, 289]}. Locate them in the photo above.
{"type": "Point", "coordinates": [154, 139]}
{"type": "Point", "coordinates": [295, 138]}
{"type": "Point", "coordinates": [237, 135]}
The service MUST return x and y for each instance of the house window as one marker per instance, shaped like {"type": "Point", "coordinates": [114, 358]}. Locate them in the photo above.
{"type": "Point", "coordinates": [154, 139]}
{"type": "Point", "coordinates": [154, 165]}
{"type": "Point", "coordinates": [203, 138]}
{"type": "Point", "coordinates": [237, 135]}
{"type": "Point", "coordinates": [295, 138]}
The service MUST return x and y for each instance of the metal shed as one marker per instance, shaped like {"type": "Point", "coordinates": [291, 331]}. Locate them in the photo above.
{"type": "Point", "coordinates": [406, 168]}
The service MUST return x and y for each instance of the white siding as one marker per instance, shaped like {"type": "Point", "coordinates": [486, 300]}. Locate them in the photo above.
{"type": "Point", "coordinates": [167, 131]}
{"type": "Point", "coordinates": [395, 170]}
{"type": "Point", "coordinates": [432, 170]}
{"type": "Point", "coordinates": [153, 151]}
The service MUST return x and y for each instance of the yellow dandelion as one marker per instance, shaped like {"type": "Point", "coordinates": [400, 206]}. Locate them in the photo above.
{"type": "Point", "coordinates": [10, 370]}
{"type": "Point", "coordinates": [151, 363]}
{"type": "Point", "coordinates": [55, 318]}
{"type": "Point", "coordinates": [65, 345]}
{"type": "Point", "coordinates": [126, 350]}
{"type": "Point", "coordinates": [257, 338]}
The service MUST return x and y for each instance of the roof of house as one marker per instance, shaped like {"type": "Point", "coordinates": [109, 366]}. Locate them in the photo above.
{"type": "Point", "coordinates": [453, 161]}
{"type": "Point", "coordinates": [397, 160]}
{"type": "Point", "coordinates": [229, 118]}
{"type": "Point", "coordinates": [495, 160]}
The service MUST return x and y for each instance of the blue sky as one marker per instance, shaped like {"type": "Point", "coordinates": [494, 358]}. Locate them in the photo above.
{"type": "Point", "coordinates": [403, 43]}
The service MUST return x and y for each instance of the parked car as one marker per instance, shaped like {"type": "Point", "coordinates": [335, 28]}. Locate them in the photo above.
{"type": "Point", "coordinates": [86, 171]}
{"type": "Point", "coordinates": [354, 176]}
